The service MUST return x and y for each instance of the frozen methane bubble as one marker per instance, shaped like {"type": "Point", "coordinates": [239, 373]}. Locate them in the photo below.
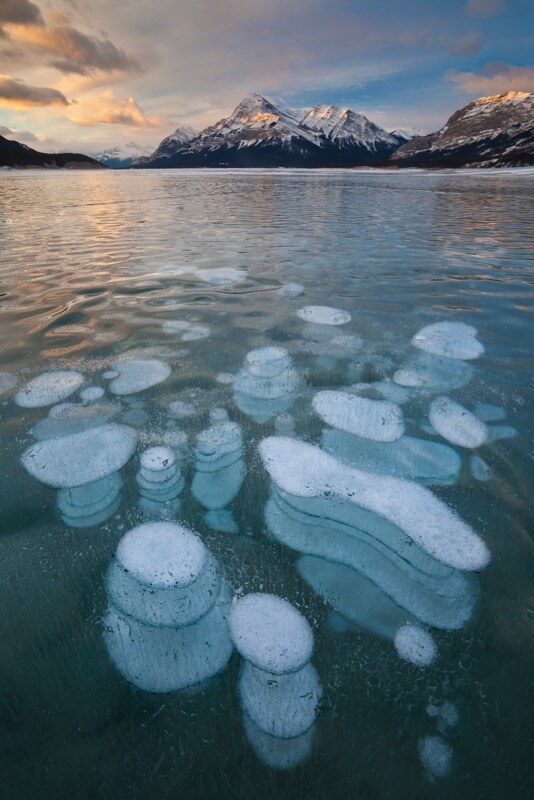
{"type": "Point", "coordinates": [379, 420]}
{"type": "Point", "coordinates": [68, 418]}
{"type": "Point", "coordinates": [281, 754]}
{"type": "Point", "coordinates": [456, 424]}
{"type": "Point", "coordinates": [290, 290]}
{"type": "Point", "coordinates": [160, 480]}
{"type": "Point", "coordinates": [270, 633]}
{"type": "Point", "coordinates": [281, 705]}
{"type": "Point", "coordinates": [225, 377]}
{"type": "Point", "coordinates": [415, 645]}
{"type": "Point", "coordinates": [267, 383]}
{"type": "Point", "coordinates": [428, 373]}
{"type": "Point", "coordinates": [353, 596]}
{"type": "Point", "coordinates": [220, 469]}
{"type": "Point", "coordinates": [449, 339]}
{"type": "Point", "coordinates": [429, 463]}
{"type": "Point", "coordinates": [306, 471]}
{"type": "Point", "coordinates": [49, 388]}
{"type": "Point", "coordinates": [436, 756]}
{"type": "Point", "coordinates": [109, 374]}
{"type": "Point", "coordinates": [479, 469]}
{"type": "Point", "coordinates": [324, 315]}
{"type": "Point", "coordinates": [169, 658]}
{"type": "Point", "coordinates": [81, 458]}
{"type": "Point", "coordinates": [91, 393]}
{"type": "Point", "coordinates": [138, 374]}
{"type": "Point", "coordinates": [90, 504]}
{"type": "Point", "coordinates": [178, 409]}
{"type": "Point", "coordinates": [163, 574]}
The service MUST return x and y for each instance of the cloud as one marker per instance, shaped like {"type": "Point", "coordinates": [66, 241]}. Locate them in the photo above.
{"type": "Point", "coordinates": [74, 51]}
{"type": "Point", "coordinates": [39, 141]}
{"type": "Point", "coordinates": [496, 78]}
{"type": "Point", "coordinates": [19, 94]}
{"type": "Point", "coordinates": [21, 12]}
{"type": "Point", "coordinates": [467, 45]}
{"type": "Point", "coordinates": [107, 109]}
{"type": "Point", "coordinates": [486, 8]}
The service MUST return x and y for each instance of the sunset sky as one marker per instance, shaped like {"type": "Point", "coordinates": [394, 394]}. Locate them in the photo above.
{"type": "Point", "coordinates": [84, 75]}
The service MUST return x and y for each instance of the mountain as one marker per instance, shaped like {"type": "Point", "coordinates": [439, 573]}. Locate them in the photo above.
{"type": "Point", "coordinates": [406, 134]}
{"type": "Point", "coordinates": [172, 143]}
{"type": "Point", "coordinates": [258, 134]}
{"type": "Point", "coordinates": [14, 154]}
{"type": "Point", "coordinates": [491, 131]}
{"type": "Point", "coordinates": [123, 155]}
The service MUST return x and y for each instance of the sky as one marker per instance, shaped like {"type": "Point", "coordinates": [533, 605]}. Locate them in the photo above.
{"type": "Point", "coordinates": [86, 75]}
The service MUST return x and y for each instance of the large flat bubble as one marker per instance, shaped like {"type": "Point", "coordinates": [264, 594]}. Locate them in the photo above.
{"type": "Point", "coordinates": [137, 374]}
{"type": "Point", "coordinates": [449, 339]}
{"type": "Point", "coordinates": [457, 424]}
{"type": "Point", "coordinates": [379, 420]}
{"type": "Point", "coordinates": [49, 388]}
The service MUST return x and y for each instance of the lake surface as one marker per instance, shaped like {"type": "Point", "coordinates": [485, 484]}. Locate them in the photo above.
{"type": "Point", "coordinates": [185, 268]}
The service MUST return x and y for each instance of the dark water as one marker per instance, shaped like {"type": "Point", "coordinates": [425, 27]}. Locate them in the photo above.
{"type": "Point", "coordinates": [95, 265]}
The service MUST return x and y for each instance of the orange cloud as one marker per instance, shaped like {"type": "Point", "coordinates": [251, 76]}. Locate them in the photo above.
{"type": "Point", "coordinates": [19, 94]}
{"type": "Point", "coordinates": [107, 109]}
{"type": "Point", "coordinates": [495, 78]}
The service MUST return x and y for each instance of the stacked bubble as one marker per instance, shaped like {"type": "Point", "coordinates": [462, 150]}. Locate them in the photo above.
{"type": "Point", "coordinates": [165, 626]}
{"type": "Point", "coordinates": [160, 481]}
{"type": "Point", "coordinates": [279, 688]}
{"type": "Point", "coordinates": [220, 469]}
{"type": "Point", "coordinates": [395, 534]}
{"type": "Point", "coordinates": [84, 467]}
{"type": "Point", "coordinates": [267, 384]}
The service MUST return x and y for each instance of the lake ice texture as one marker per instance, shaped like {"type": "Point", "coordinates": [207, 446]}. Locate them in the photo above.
{"type": "Point", "coordinates": [266, 484]}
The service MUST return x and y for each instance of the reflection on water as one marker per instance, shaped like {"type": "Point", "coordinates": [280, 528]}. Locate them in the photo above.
{"type": "Point", "coordinates": [154, 369]}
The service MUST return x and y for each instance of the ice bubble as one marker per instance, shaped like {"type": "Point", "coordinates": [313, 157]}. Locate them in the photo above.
{"type": "Point", "coordinates": [430, 373]}
{"type": "Point", "coordinates": [436, 756]}
{"type": "Point", "coordinates": [280, 754]}
{"type": "Point", "coordinates": [479, 469]}
{"type": "Point", "coordinates": [109, 374]}
{"type": "Point", "coordinates": [225, 377]}
{"type": "Point", "coordinates": [220, 469]}
{"type": "Point", "coordinates": [218, 415]}
{"type": "Point", "coordinates": [324, 315]}
{"type": "Point", "coordinates": [69, 418]}
{"type": "Point", "coordinates": [195, 333]}
{"type": "Point", "coordinates": [456, 424]}
{"type": "Point", "coordinates": [284, 425]}
{"type": "Point", "coordinates": [489, 413]}
{"type": "Point", "coordinates": [290, 290]}
{"type": "Point", "coordinates": [270, 633]}
{"type": "Point", "coordinates": [135, 416]}
{"type": "Point", "coordinates": [449, 339]}
{"type": "Point", "coordinates": [342, 532]}
{"type": "Point", "coordinates": [415, 645]}
{"type": "Point", "coordinates": [221, 276]}
{"type": "Point", "coordinates": [49, 388]}
{"type": "Point", "coordinates": [303, 470]}
{"type": "Point", "coordinates": [354, 597]}
{"type": "Point", "coordinates": [160, 481]}
{"type": "Point", "coordinates": [179, 409]}
{"type": "Point", "coordinates": [138, 374]}
{"type": "Point", "coordinates": [334, 347]}
{"type": "Point", "coordinates": [281, 705]}
{"type": "Point", "coordinates": [496, 432]}
{"type": "Point", "coordinates": [91, 504]}
{"type": "Point", "coordinates": [380, 420]}
{"type": "Point", "coordinates": [388, 390]}
{"type": "Point", "coordinates": [429, 463]}
{"type": "Point", "coordinates": [91, 393]}
{"type": "Point", "coordinates": [80, 458]}
{"type": "Point", "coordinates": [222, 520]}
{"type": "Point", "coordinates": [166, 659]}
{"type": "Point", "coordinates": [7, 382]}
{"type": "Point", "coordinates": [446, 713]}
{"type": "Point", "coordinates": [163, 574]}
{"type": "Point", "coordinates": [267, 384]}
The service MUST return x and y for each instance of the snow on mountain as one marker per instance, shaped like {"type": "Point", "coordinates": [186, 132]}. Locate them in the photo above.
{"type": "Point", "coordinates": [491, 131]}
{"type": "Point", "coordinates": [171, 143]}
{"type": "Point", "coordinates": [123, 155]}
{"type": "Point", "coordinates": [258, 133]}
{"type": "Point", "coordinates": [405, 134]}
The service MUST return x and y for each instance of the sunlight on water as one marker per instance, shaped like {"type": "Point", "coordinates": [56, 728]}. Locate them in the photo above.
{"type": "Point", "coordinates": [312, 385]}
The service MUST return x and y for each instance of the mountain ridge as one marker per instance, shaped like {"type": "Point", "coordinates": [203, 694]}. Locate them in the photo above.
{"type": "Point", "coordinates": [16, 155]}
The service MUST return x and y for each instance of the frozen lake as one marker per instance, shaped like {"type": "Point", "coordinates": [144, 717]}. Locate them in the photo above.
{"type": "Point", "coordinates": [260, 327]}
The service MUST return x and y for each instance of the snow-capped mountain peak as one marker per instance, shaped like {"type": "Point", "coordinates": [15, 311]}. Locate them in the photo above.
{"type": "Point", "coordinates": [123, 155]}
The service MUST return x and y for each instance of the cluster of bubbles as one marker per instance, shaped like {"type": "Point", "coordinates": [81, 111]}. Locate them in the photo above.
{"type": "Point", "coordinates": [373, 540]}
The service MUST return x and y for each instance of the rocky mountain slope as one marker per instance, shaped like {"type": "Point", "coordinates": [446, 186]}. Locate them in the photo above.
{"type": "Point", "coordinates": [491, 131]}
{"type": "Point", "coordinates": [14, 154]}
{"type": "Point", "coordinates": [258, 134]}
